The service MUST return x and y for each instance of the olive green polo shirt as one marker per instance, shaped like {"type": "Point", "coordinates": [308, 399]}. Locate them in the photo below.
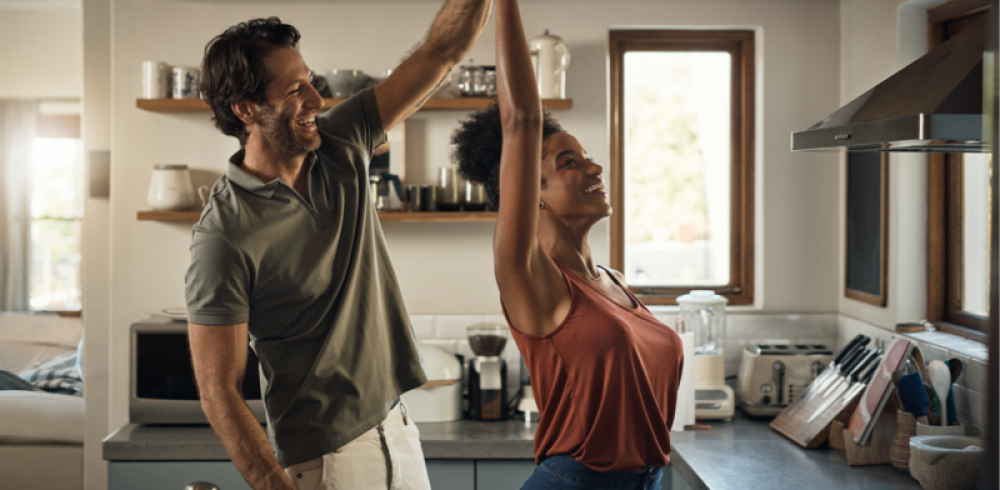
{"type": "Point", "coordinates": [314, 282]}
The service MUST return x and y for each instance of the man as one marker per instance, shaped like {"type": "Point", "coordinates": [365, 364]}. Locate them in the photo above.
{"type": "Point", "coordinates": [289, 253]}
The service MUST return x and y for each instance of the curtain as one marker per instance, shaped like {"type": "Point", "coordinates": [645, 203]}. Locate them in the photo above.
{"type": "Point", "coordinates": [17, 132]}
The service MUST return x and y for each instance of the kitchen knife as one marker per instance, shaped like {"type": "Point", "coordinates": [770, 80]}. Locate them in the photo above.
{"type": "Point", "coordinates": [858, 367]}
{"type": "Point", "coordinates": [867, 378]}
{"type": "Point", "coordinates": [844, 368]}
{"type": "Point", "coordinates": [804, 398]}
{"type": "Point", "coordinates": [853, 376]}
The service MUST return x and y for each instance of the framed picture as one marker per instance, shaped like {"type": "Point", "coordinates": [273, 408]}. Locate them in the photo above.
{"type": "Point", "coordinates": [867, 230]}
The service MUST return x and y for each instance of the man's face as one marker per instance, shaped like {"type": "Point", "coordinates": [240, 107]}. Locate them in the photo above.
{"type": "Point", "coordinates": [288, 120]}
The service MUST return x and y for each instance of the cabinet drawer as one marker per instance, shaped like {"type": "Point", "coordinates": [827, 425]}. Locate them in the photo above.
{"type": "Point", "coordinates": [173, 475]}
{"type": "Point", "coordinates": [502, 474]}
{"type": "Point", "coordinates": [451, 474]}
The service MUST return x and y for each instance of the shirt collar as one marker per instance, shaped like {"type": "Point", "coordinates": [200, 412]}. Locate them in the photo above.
{"type": "Point", "coordinates": [252, 184]}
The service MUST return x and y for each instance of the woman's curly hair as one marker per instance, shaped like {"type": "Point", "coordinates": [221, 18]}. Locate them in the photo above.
{"type": "Point", "coordinates": [477, 144]}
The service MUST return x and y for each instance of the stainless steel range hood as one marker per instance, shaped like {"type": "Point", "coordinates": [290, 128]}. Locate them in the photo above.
{"type": "Point", "coordinates": [933, 105]}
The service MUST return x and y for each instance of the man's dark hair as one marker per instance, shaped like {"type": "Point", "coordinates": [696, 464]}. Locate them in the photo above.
{"type": "Point", "coordinates": [233, 68]}
{"type": "Point", "coordinates": [478, 141]}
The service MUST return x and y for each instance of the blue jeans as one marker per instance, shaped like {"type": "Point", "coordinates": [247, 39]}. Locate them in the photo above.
{"type": "Point", "coordinates": [565, 473]}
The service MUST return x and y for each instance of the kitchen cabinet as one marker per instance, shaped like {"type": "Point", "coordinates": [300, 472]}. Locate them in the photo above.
{"type": "Point", "coordinates": [172, 475]}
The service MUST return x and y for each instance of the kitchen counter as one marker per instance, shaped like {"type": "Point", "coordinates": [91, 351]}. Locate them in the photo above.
{"type": "Point", "coordinates": [747, 454]}
{"type": "Point", "coordinates": [743, 454]}
{"type": "Point", "coordinates": [463, 439]}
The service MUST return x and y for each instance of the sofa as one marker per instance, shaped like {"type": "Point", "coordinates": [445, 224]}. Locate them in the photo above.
{"type": "Point", "coordinates": [41, 432]}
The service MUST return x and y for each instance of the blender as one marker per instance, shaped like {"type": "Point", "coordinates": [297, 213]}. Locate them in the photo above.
{"type": "Point", "coordinates": [704, 313]}
{"type": "Point", "coordinates": [487, 372]}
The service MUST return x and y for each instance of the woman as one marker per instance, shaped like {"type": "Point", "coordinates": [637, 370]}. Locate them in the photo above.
{"type": "Point", "coordinates": [604, 371]}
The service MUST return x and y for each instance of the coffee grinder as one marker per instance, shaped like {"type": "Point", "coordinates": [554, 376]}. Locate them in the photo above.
{"type": "Point", "coordinates": [704, 313]}
{"type": "Point", "coordinates": [487, 372]}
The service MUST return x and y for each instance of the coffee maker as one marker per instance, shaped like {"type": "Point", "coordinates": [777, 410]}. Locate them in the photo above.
{"type": "Point", "coordinates": [487, 372]}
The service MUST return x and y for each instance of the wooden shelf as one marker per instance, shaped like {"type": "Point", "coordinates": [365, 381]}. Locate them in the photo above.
{"type": "Point", "coordinates": [463, 104]}
{"type": "Point", "coordinates": [169, 215]}
{"type": "Point", "coordinates": [439, 216]}
{"type": "Point", "coordinates": [385, 216]}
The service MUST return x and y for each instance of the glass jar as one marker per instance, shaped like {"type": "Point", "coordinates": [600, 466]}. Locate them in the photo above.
{"type": "Point", "coordinates": [473, 81]}
{"type": "Point", "coordinates": [704, 313]}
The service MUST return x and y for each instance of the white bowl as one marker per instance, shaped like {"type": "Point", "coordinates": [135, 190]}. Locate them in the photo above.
{"type": "Point", "coordinates": [946, 462]}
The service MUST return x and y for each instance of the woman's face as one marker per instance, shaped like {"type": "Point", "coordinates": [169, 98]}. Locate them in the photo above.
{"type": "Point", "coordinates": [572, 184]}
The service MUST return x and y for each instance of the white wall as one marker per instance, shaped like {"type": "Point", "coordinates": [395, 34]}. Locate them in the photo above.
{"type": "Point", "coordinates": [41, 55]}
{"type": "Point", "coordinates": [96, 123]}
{"type": "Point", "coordinates": [878, 37]}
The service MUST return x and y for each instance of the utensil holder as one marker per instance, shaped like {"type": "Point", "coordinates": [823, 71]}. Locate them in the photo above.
{"type": "Point", "coordinates": [899, 452]}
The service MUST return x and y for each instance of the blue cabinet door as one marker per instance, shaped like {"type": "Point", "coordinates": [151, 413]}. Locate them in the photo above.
{"type": "Point", "coordinates": [502, 474]}
{"type": "Point", "coordinates": [173, 475]}
{"type": "Point", "coordinates": [451, 474]}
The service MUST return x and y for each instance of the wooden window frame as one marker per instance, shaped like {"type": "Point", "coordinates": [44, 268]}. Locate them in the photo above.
{"type": "Point", "coordinates": [873, 299]}
{"type": "Point", "coordinates": [945, 201]}
{"type": "Point", "coordinates": [740, 44]}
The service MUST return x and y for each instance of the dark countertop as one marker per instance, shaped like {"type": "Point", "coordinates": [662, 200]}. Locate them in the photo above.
{"type": "Point", "coordinates": [747, 454]}
{"type": "Point", "coordinates": [743, 454]}
{"type": "Point", "coordinates": [463, 439]}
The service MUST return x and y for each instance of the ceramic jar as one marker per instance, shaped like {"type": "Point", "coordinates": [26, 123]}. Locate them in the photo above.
{"type": "Point", "coordinates": [170, 188]}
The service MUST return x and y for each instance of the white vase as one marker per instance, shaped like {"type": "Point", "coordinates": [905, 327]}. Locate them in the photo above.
{"type": "Point", "coordinates": [170, 188]}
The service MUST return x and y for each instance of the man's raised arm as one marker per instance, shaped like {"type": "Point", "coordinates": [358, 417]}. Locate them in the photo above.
{"type": "Point", "coordinates": [455, 29]}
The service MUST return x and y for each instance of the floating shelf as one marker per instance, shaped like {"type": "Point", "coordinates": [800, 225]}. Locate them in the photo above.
{"type": "Point", "coordinates": [462, 104]}
{"type": "Point", "coordinates": [385, 216]}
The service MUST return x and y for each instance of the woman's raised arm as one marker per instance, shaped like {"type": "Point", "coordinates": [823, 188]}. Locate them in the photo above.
{"type": "Point", "coordinates": [515, 244]}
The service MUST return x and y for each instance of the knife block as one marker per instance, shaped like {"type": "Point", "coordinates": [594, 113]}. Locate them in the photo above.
{"type": "Point", "coordinates": [876, 450]}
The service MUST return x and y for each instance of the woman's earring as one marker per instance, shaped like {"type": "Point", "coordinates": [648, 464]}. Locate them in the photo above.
{"type": "Point", "coordinates": [541, 205]}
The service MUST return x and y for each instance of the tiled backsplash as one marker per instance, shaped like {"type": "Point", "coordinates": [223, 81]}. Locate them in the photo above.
{"type": "Point", "coordinates": [448, 332]}
{"type": "Point", "coordinates": [970, 388]}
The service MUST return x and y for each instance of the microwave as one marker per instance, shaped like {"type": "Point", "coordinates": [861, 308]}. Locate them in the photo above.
{"type": "Point", "coordinates": [162, 388]}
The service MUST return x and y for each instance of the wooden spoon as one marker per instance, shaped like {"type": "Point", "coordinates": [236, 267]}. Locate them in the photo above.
{"type": "Point", "coordinates": [940, 378]}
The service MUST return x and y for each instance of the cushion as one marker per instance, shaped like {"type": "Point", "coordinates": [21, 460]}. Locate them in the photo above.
{"type": "Point", "coordinates": [37, 416]}
{"type": "Point", "coordinates": [59, 375]}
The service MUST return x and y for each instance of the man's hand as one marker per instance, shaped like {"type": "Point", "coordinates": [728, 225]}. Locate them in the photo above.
{"type": "Point", "coordinates": [219, 354]}
{"type": "Point", "coordinates": [455, 29]}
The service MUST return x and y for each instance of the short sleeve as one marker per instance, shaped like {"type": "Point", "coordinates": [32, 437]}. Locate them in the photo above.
{"type": "Point", "coordinates": [217, 282]}
{"type": "Point", "coordinates": [356, 120]}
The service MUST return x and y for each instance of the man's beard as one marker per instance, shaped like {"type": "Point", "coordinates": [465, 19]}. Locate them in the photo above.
{"type": "Point", "coordinates": [280, 133]}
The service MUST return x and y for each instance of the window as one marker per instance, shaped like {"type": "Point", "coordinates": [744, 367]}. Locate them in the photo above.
{"type": "Point", "coordinates": [682, 162]}
{"type": "Point", "coordinates": [56, 215]}
{"type": "Point", "coordinates": [958, 220]}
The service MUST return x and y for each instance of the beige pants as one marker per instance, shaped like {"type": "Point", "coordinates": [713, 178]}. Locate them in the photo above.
{"type": "Point", "coordinates": [388, 456]}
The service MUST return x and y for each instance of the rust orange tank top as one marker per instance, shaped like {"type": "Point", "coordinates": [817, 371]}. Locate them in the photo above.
{"type": "Point", "coordinates": [605, 381]}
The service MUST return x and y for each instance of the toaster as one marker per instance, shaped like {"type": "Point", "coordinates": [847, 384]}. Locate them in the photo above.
{"type": "Point", "coordinates": [772, 376]}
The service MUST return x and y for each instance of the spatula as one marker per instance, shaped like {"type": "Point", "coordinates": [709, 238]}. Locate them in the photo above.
{"type": "Point", "coordinates": [940, 378]}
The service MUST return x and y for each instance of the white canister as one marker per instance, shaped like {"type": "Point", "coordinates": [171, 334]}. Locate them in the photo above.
{"type": "Point", "coordinates": [550, 58]}
{"type": "Point", "coordinates": [185, 82]}
{"type": "Point", "coordinates": [156, 78]}
{"type": "Point", "coordinates": [170, 188]}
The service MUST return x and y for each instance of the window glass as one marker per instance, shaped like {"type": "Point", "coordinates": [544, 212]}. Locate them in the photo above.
{"type": "Point", "coordinates": [976, 233]}
{"type": "Point", "coordinates": [56, 212]}
{"type": "Point", "coordinates": [677, 131]}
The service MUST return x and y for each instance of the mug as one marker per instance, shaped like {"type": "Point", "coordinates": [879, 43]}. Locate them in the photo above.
{"type": "Point", "coordinates": [170, 188]}
{"type": "Point", "coordinates": [450, 189]}
{"type": "Point", "coordinates": [156, 76]}
{"type": "Point", "coordinates": [185, 82]}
